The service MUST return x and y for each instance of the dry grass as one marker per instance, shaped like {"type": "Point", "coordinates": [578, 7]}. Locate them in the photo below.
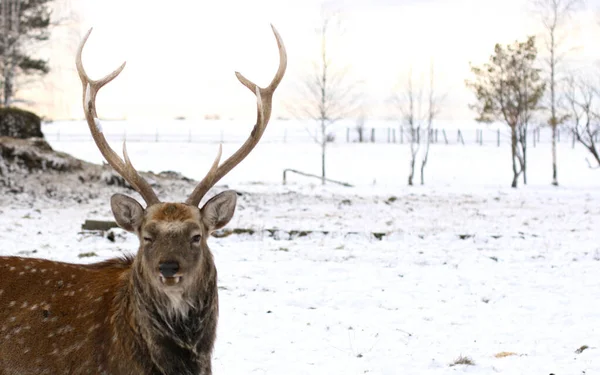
{"type": "Point", "coordinates": [462, 360]}
{"type": "Point", "coordinates": [504, 354]}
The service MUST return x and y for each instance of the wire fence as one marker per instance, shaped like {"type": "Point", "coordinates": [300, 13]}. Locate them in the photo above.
{"type": "Point", "coordinates": [287, 132]}
{"type": "Point", "coordinates": [481, 136]}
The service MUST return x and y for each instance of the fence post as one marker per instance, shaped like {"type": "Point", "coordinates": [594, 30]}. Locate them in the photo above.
{"type": "Point", "coordinates": [534, 138]}
{"type": "Point", "coordinates": [574, 138]}
{"type": "Point", "coordinates": [348, 135]}
{"type": "Point", "coordinates": [460, 138]}
{"type": "Point", "coordinates": [498, 137]}
{"type": "Point", "coordinates": [444, 134]}
{"type": "Point", "coordinates": [389, 135]}
{"type": "Point", "coordinates": [373, 135]}
{"type": "Point", "coordinates": [481, 137]}
{"type": "Point", "coordinates": [394, 135]}
{"type": "Point", "coordinates": [436, 135]}
{"type": "Point", "coordinates": [401, 135]}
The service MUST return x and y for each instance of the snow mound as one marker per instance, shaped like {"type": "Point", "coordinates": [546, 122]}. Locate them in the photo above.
{"type": "Point", "coordinates": [31, 170]}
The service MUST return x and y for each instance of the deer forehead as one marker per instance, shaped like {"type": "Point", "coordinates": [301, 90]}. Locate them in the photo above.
{"type": "Point", "coordinates": [172, 216]}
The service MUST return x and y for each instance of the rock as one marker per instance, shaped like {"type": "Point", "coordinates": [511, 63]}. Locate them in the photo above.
{"type": "Point", "coordinates": [31, 171]}
{"type": "Point", "coordinates": [31, 155]}
{"type": "Point", "coordinates": [18, 123]}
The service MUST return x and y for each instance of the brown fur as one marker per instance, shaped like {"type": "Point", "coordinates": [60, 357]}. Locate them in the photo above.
{"type": "Point", "coordinates": [116, 317]}
{"type": "Point", "coordinates": [171, 212]}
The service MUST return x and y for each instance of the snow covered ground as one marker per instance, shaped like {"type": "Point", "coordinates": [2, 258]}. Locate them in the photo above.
{"type": "Point", "coordinates": [466, 266]}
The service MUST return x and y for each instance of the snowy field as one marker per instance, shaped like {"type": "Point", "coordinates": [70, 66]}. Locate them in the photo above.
{"type": "Point", "coordinates": [464, 266]}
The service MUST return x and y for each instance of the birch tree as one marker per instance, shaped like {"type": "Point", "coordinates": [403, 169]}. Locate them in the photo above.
{"type": "Point", "coordinates": [553, 15]}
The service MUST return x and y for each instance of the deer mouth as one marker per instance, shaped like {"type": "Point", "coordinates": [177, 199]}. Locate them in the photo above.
{"type": "Point", "coordinates": [170, 281]}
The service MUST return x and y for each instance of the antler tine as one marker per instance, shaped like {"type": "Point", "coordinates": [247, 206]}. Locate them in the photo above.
{"type": "Point", "coordinates": [280, 71]}
{"type": "Point", "coordinates": [264, 99]}
{"type": "Point", "coordinates": [90, 90]}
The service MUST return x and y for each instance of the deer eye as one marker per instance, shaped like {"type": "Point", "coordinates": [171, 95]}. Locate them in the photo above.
{"type": "Point", "coordinates": [196, 238]}
{"type": "Point", "coordinates": [148, 240]}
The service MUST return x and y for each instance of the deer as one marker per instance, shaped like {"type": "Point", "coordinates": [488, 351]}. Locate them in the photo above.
{"type": "Point", "coordinates": [154, 312]}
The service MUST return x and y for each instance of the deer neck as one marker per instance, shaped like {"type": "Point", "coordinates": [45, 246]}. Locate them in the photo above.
{"type": "Point", "coordinates": [184, 319]}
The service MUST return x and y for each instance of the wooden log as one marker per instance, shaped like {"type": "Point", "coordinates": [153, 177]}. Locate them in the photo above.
{"type": "Point", "coordinates": [285, 171]}
{"type": "Point", "coordinates": [98, 225]}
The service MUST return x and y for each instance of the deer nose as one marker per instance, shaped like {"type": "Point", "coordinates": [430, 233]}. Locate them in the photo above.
{"type": "Point", "coordinates": [168, 269]}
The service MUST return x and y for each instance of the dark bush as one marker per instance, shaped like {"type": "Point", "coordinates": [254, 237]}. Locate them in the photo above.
{"type": "Point", "coordinates": [18, 123]}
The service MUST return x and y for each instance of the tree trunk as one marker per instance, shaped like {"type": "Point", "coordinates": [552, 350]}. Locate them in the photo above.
{"type": "Point", "coordinates": [323, 149]}
{"type": "Point", "coordinates": [523, 161]}
{"type": "Point", "coordinates": [412, 172]}
{"type": "Point", "coordinates": [553, 119]}
{"type": "Point", "coordinates": [524, 169]}
{"type": "Point", "coordinates": [554, 166]}
{"type": "Point", "coordinates": [596, 156]}
{"type": "Point", "coordinates": [592, 149]}
{"type": "Point", "coordinates": [513, 146]}
{"type": "Point", "coordinates": [425, 157]}
{"type": "Point", "coordinates": [413, 157]}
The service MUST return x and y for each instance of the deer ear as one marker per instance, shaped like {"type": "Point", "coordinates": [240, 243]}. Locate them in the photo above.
{"type": "Point", "coordinates": [217, 212]}
{"type": "Point", "coordinates": [127, 212]}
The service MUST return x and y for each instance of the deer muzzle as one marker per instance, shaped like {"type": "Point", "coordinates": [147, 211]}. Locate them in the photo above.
{"type": "Point", "coordinates": [168, 273]}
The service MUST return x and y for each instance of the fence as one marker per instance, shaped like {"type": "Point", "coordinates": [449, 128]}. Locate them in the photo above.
{"type": "Point", "coordinates": [284, 133]}
{"type": "Point", "coordinates": [481, 137]}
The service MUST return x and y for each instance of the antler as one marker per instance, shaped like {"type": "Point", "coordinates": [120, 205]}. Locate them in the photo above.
{"type": "Point", "coordinates": [264, 98]}
{"type": "Point", "coordinates": [124, 168]}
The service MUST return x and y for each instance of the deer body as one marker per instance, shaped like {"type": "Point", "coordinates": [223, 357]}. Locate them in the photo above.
{"type": "Point", "coordinates": [152, 314]}
{"type": "Point", "coordinates": [107, 318]}
{"type": "Point", "coordinates": [88, 324]}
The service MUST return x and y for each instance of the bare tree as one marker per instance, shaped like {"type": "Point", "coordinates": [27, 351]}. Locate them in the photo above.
{"type": "Point", "coordinates": [410, 103]}
{"type": "Point", "coordinates": [433, 110]}
{"type": "Point", "coordinates": [417, 119]}
{"type": "Point", "coordinates": [584, 119]}
{"type": "Point", "coordinates": [554, 14]}
{"type": "Point", "coordinates": [328, 94]}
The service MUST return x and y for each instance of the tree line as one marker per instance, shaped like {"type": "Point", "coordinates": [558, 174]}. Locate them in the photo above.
{"type": "Point", "coordinates": [514, 86]}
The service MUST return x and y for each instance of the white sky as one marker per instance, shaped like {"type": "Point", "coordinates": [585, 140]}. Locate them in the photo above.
{"type": "Point", "coordinates": [181, 55]}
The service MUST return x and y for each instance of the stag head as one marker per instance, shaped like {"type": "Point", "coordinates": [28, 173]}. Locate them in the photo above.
{"type": "Point", "coordinates": [173, 249]}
